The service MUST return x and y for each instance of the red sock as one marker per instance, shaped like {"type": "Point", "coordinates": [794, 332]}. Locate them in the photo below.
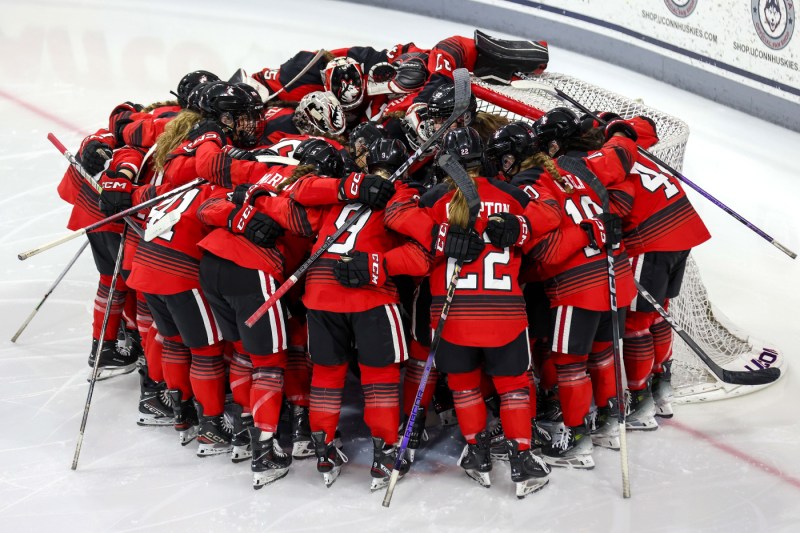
{"type": "Point", "coordinates": [208, 378]}
{"type": "Point", "coordinates": [117, 303]}
{"type": "Point", "coordinates": [515, 412]}
{"type": "Point", "coordinates": [415, 365]}
{"type": "Point", "coordinates": [176, 361]}
{"type": "Point", "coordinates": [532, 392]}
{"type": "Point", "coordinates": [638, 350]}
{"type": "Point", "coordinates": [298, 365]}
{"type": "Point", "coordinates": [662, 343]}
{"type": "Point", "coordinates": [241, 376]}
{"type": "Point", "coordinates": [574, 387]}
{"type": "Point", "coordinates": [129, 310]}
{"type": "Point", "coordinates": [603, 373]}
{"type": "Point", "coordinates": [153, 353]}
{"type": "Point", "coordinates": [266, 393]}
{"type": "Point", "coordinates": [144, 319]}
{"type": "Point", "coordinates": [543, 364]}
{"type": "Point", "coordinates": [327, 387]}
{"type": "Point", "coordinates": [381, 386]}
{"type": "Point", "coordinates": [470, 407]}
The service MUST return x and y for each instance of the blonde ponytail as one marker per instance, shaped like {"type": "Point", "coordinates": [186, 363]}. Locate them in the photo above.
{"type": "Point", "coordinates": [174, 134]}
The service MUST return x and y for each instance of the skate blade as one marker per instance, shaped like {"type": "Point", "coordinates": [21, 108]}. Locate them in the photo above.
{"type": "Point", "coordinates": [155, 420]}
{"type": "Point", "coordinates": [241, 453]}
{"type": "Point", "coordinates": [482, 478]}
{"type": "Point", "coordinates": [499, 455]}
{"type": "Point", "coordinates": [108, 373]}
{"type": "Point", "coordinates": [611, 443]}
{"type": "Point", "coordinates": [379, 483]}
{"type": "Point", "coordinates": [207, 450]}
{"type": "Point", "coordinates": [185, 436]}
{"type": "Point", "coordinates": [265, 478]}
{"type": "Point", "coordinates": [530, 486]}
{"type": "Point", "coordinates": [585, 462]}
{"type": "Point", "coordinates": [410, 454]}
{"type": "Point", "coordinates": [302, 450]}
{"type": "Point", "coordinates": [330, 477]}
{"type": "Point", "coordinates": [642, 425]}
{"type": "Point", "coordinates": [664, 410]}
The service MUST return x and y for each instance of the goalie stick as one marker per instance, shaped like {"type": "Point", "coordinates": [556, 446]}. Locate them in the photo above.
{"type": "Point", "coordinates": [528, 83]}
{"type": "Point", "coordinates": [22, 256]}
{"type": "Point", "coordinates": [580, 170]}
{"type": "Point", "coordinates": [735, 377]}
{"type": "Point", "coordinates": [461, 80]}
{"type": "Point", "coordinates": [88, 177]}
{"type": "Point", "coordinates": [468, 189]}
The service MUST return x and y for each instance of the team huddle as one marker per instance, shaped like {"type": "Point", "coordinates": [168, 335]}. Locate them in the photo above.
{"type": "Point", "coordinates": [329, 176]}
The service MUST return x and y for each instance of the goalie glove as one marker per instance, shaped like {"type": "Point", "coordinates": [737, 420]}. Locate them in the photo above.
{"type": "Point", "coordinates": [256, 227]}
{"type": "Point", "coordinates": [368, 189]}
{"type": "Point", "coordinates": [603, 230]}
{"type": "Point", "coordinates": [457, 242]}
{"type": "Point", "coordinates": [357, 269]}
{"type": "Point", "coordinates": [505, 229]}
{"type": "Point", "coordinates": [116, 193]}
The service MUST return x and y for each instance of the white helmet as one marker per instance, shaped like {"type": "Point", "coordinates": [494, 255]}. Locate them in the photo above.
{"type": "Point", "coordinates": [320, 113]}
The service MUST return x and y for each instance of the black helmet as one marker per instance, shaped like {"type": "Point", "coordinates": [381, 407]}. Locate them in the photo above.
{"type": "Point", "coordinates": [443, 100]}
{"type": "Point", "coordinates": [557, 124]}
{"type": "Point", "coordinates": [317, 152]}
{"type": "Point", "coordinates": [517, 140]}
{"type": "Point", "coordinates": [386, 153]}
{"type": "Point", "coordinates": [189, 82]}
{"type": "Point", "coordinates": [465, 145]}
{"type": "Point", "coordinates": [362, 136]}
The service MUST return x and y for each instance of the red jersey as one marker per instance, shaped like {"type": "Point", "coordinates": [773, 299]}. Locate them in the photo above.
{"type": "Point", "coordinates": [276, 79]}
{"type": "Point", "coordinates": [144, 131]}
{"type": "Point", "coordinates": [488, 309]}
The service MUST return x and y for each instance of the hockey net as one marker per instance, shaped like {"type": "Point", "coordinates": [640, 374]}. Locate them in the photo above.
{"type": "Point", "coordinates": [720, 339]}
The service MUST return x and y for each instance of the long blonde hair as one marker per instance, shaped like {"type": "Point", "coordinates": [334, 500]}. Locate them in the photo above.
{"type": "Point", "coordinates": [458, 210]}
{"type": "Point", "coordinates": [541, 159]}
{"type": "Point", "coordinates": [174, 134]}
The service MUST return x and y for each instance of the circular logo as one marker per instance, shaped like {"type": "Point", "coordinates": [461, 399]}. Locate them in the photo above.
{"type": "Point", "coordinates": [681, 8]}
{"type": "Point", "coordinates": [774, 21]}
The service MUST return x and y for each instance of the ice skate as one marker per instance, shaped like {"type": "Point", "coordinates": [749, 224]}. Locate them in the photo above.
{"type": "Point", "coordinates": [155, 405]}
{"type": "Point", "coordinates": [240, 439]}
{"type": "Point", "coordinates": [540, 437]}
{"type": "Point", "coordinates": [329, 458]}
{"type": "Point", "coordinates": [185, 415]}
{"type": "Point", "coordinates": [528, 471]}
{"type": "Point", "coordinates": [662, 391]}
{"type": "Point", "coordinates": [384, 457]}
{"type": "Point", "coordinates": [640, 410]}
{"type": "Point", "coordinates": [497, 441]}
{"type": "Point", "coordinates": [476, 460]}
{"type": "Point", "coordinates": [213, 435]}
{"type": "Point", "coordinates": [302, 447]}
{"type": "Point", "coordinates": [132, 345]}
{"type": "Point", "coordinates": [418, 434]}
{"type": "Point", "coordinates": [605, 426]}
{"type": "Point", "coordinates": [112, 361]}
{"type": "Point", "coordinates": [570, 448]}
{"type": "Point", "coordinates": [548, 411]}
{"type": "Point", "coordinates": [270, 462]}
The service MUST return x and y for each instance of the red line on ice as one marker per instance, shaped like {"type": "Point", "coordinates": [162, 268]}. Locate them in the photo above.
{"type": "Point", "coordinates": [42, 113]}
{"type": "Point", "coordinates": [758, 463]}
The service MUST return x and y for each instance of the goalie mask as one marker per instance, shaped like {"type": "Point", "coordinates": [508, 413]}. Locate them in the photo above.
{"type": "Point", "coordinates": [344, 77]}
{"type": "Point", "coordinates": [510, 145]}
{"type": "Point", "coordinates": [317, 152]}
{"type": "Point", "coordinates": [189, 82]}
{"type": "Point", "coordinates": [320, 113]}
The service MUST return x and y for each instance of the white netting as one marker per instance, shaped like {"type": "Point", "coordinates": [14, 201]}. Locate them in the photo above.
{"type": "Point", "coordinates": [692, 309]}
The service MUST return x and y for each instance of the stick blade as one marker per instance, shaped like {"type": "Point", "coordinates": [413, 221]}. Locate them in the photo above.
{"type": "Point", "coordinates": [754, 377]}
{"type": "Point", "coordinates": [450, 165]}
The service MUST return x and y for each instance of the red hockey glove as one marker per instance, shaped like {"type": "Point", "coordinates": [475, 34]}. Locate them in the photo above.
{"type": "Point", "coordinates": [368, 189]}
{"type": "Point", "coordinates": [257, 227]}
{"type": "Point", "coordinates": [604, 230]}
{"type": "Point", "coordinates": [357, 269]}
{"type": "Point", "coordinates": [505, 229]}
{"type": "Point", "coordinates": [116, 193]}
{"type": "Point", "coordinates": [457, 242]}
{"type": "Point", "coordinates": [620, 126]}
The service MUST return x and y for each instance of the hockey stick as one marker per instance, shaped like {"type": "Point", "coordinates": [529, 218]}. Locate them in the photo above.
{"type": "Point", "coordinates": [527, 83]}
{"type": "Point", "coordinates": [311, 63]}
{"type": "Point", "coordinates": [88, 177]}
{"type": "Point", "coordinates": [467, 187]}
{"type": "Point", "coordinates": [99, 348]}
{"type": "Point", "coordinates": [579, 169]}
{"type": "Point", "coordinates": [113, 218]}
{"type": "Point", "coordinates": [462, 83]}
{"type": "Point", "coordinates": [734, 377]}
{"type": "Point", "coordinates": [49, 291]}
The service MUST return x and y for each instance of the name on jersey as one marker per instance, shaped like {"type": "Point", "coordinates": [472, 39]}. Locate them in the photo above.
{"type": "Point", "coordinates": [272, 179]}
{"type": "Point", "coordinates": [488, 208]}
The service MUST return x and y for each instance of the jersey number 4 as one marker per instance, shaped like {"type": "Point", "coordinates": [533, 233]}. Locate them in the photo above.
{"type": "Point", "coordinates": [653, 180]}
{"type": "Point", "coordinates": [178, 204]}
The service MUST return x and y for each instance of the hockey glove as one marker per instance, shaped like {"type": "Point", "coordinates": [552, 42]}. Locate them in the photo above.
{"type": "Point", "coordinates": [256, 227]}
{"type": "Point", "coordinates": [457, 242]}
{"type": "Point", "coordinates": [240, 154]}
{"type": "Point", "coordinates": [116, 193]}
{"type": "Point", "coordinates": [94, 155]}
{"type": "Point", "coordinates": [604, 230]}
{"type": "Point", "coordinates": [368, 189]}
{"type": "Point", "coordinates": [505, 229]}
{"type": "Point", "coordinates": [207, 126]}
{"type": "Point", "coordinates": [357, 269]}
{"type": "Point", "coordinates": [239, 194]}
{"type": "Point", "coordinates": [618, 125]}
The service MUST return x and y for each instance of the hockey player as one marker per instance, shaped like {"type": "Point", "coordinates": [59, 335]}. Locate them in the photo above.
{"type": "Point", "coordinates": [318, 113]}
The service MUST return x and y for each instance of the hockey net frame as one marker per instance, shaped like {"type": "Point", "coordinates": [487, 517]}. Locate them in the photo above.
{"type": "Point", "coordinates": [725, 343]}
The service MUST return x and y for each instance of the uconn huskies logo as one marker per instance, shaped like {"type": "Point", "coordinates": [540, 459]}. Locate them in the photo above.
{"type": "Point", "coordinates": [764, 360]}
{"type": "Point", "coordinates": [774, 21]}
{"type": "Point", "coordinates": [681, 8]}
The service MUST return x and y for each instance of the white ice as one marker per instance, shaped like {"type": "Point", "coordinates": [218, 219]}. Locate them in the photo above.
{"type": "Point", "coordinates": [724, 466]}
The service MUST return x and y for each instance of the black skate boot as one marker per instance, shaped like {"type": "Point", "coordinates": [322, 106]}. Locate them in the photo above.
{"type": "Point", "coordinates": [112, 361]}
{"type": "Point", "coordinates": [528, 470]}
{"type": "Point", "coordinates": [570, 448]}
{"type": "Point", "coordinates": [270, 462]}
{"type": "Point", "coordinates": [443, 403]}
{"type": "Point", "coordinates": [155, 405]}
{"type": "Point", "coordinates": [662, 391]}
{"type": "Point", "coordinates": [214, 435]}
{"type": "Point", "coordinates": [240, 439]}
{"type": "Point", "coordinates": [185, 414]}
{"type": "Point", "coordinates": [384, 457]}
{"type": "Point", "coordinates": [548, 411]}
{"type": "Point", "coordinates": [302, 447]}
{"type": "Point", "coordinates": [418, 434]}
{"type": "Point", "coordinates": [640, 410]}
{"type": "Point", "coordinates": [329, 458]}
{"type": "Point", "coordinates": [497, 441]}
{"type": "Point", "coordinates": [476, 460]}
{"type": "Point", "coordinates": [132, 345]}
{"type": "Point", "coordinates": [540, 437]}
{"type": "Point", "coordinates": [605, 426]}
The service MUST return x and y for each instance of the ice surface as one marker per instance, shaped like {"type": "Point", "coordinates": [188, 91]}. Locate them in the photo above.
{"type": "Point", "coordinates": [725, 466]}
